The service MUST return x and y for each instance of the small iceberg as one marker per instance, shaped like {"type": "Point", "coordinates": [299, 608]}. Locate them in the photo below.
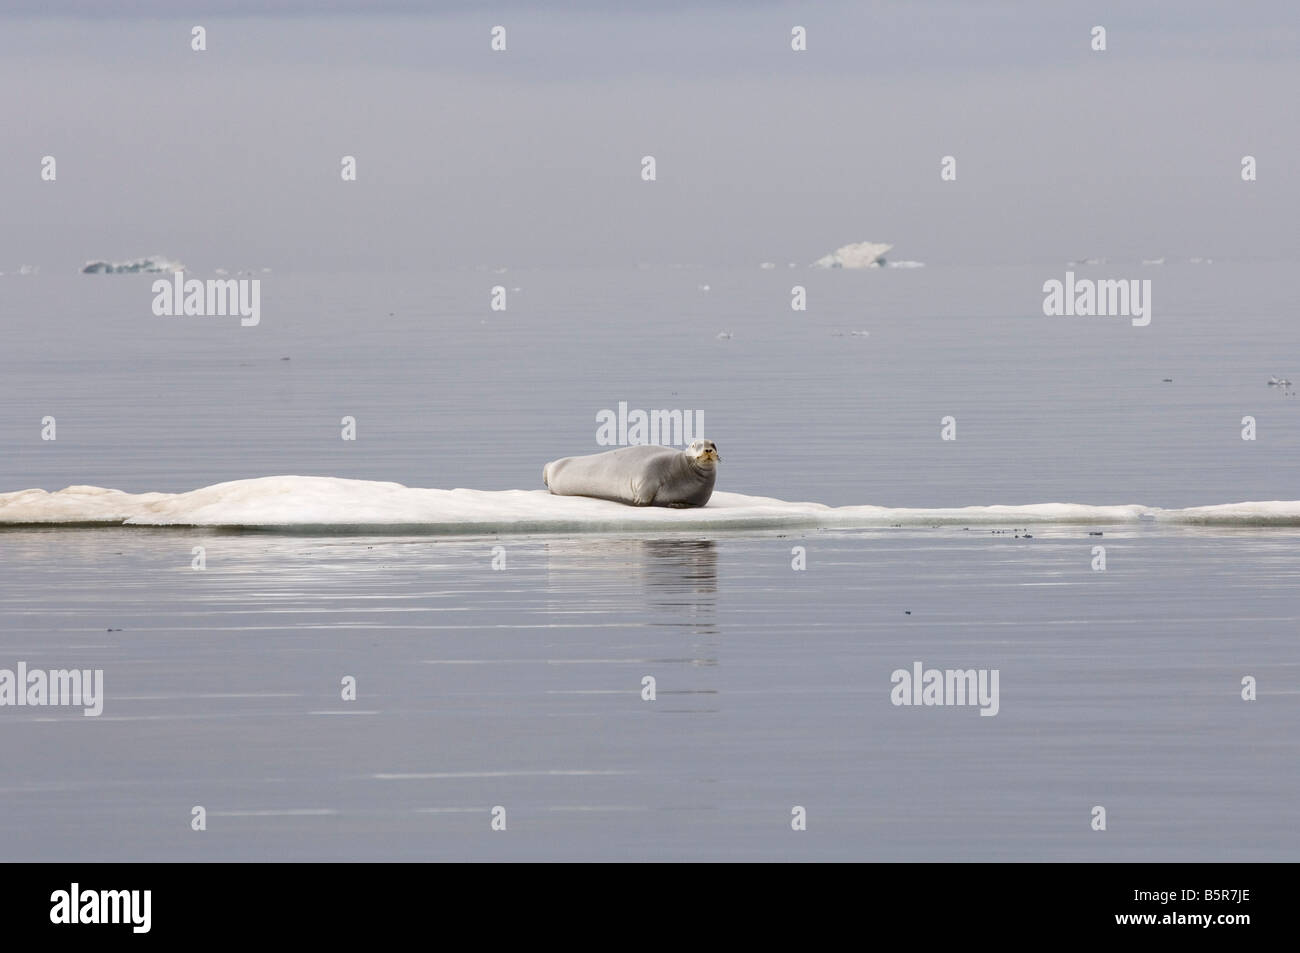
{"type": "Point", "coordinates": [155, 264]}
{"type": "Point", "coordinates": [858, 255]}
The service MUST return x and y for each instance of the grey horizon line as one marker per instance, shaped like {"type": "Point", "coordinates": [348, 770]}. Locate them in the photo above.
{"type": "Point", "coordinates": [269, 9]}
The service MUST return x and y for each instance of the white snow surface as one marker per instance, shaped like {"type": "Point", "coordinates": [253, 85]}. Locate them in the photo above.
{"type": "Point", "coordinates": [340, 505]}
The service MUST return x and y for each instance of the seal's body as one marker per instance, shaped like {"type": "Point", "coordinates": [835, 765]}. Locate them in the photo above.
{"type": "Point", "coordinates": [639, 476]}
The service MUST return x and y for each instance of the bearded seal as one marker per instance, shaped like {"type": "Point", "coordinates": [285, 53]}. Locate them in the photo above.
{"type": "Point", "coordinates": [644, 475]}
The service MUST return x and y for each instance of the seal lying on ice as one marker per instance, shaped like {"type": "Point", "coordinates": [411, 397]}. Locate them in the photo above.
{"type": "Point", "coordinates": [639, 476]}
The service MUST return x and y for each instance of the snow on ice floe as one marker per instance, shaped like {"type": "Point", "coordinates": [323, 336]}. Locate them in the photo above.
{"type": "Point", "coordinates": [339, 505]}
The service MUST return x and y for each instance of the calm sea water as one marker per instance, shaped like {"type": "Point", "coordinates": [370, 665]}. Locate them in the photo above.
{"type": "Point", "coordinates": [448, 393]}
{"type": "Point", "coordinates": [522, 688]}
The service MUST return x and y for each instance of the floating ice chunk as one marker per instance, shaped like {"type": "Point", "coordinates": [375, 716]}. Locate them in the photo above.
{"type": "Point", "coordinates": [329, 504]}
{"type": "Point", "coordinates": [859, 255]}
{"type": "Point", "coordinates": [155, 264]}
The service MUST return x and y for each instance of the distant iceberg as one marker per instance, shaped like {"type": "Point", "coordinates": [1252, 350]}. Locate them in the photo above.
{"type": "Point", "coordinates": [152, 265]}
{"type": "Point", "coordinates": [859, 255]}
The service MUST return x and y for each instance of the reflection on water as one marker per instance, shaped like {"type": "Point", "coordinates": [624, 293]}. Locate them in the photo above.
{"type": "Point", "coordinates": [675, 579]}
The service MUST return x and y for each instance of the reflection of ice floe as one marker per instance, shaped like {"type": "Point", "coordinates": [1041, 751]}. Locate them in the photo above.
{"type": "Point", "coordinates": [1085, 261]}
{"type": "Point", "coordinates": [1200, 261]}
{"type": "Point", "coordinates": [905, 264]}
{"type": "Point", "coordinates": [766, 265]}
{"type": "Point", "coordinates": [858, 255]}
{"type": "Point", "coordinates": [152, 265]}
{"type": "Point", "coordinates": [1153, 261]}
{"type": "Point", "coordinates": [351, 506]}
{"type": "Point", "coordinates": [29, 269]}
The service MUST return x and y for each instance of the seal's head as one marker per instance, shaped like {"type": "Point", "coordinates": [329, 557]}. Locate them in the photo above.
{"type": "Point", "coordinates": [703, 453]}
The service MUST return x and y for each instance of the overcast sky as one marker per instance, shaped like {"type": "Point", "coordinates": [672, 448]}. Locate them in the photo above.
{"type": "Point", "coordinates": [231, 157]}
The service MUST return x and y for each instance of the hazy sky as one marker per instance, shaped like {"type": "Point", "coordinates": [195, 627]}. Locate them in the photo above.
{"type": "Point", "coordinates": [231, 157]}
